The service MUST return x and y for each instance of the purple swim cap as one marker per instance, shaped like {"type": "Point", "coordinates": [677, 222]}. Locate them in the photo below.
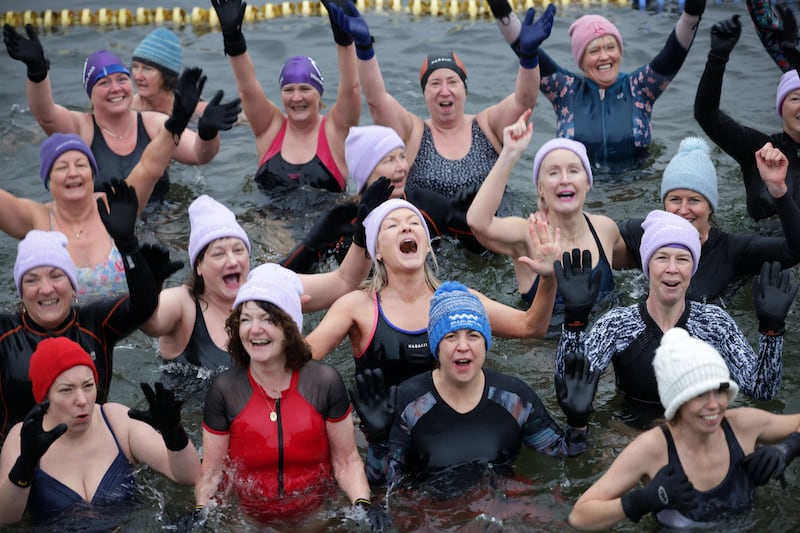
{"type": "Point", "coordinates": [99, 65]}
{"type": "Point", "coordinates": [302, 69]}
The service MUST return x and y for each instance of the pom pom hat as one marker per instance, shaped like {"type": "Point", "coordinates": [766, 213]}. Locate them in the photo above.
{"type": "Point", "coordinates": [275, 284]}
{"type": "Point", "coordinates": [790, 81]}
{"type": "Point", "coordinates": [686, 367]}
{"type": "Point", "coordinates": [691, 168]}
{"type": "Point", "coordinates": [57, 144]}
{"type": "Point", "coordinates": [209, 220]}
{"type": "Point", "coordinates": [365, 147]}
{"type": "Point", "coordinates": [588, 28]}
{"type": "Point", "coordinates": [372, 224]}
{"type": "Point", "coordinates": [453, 308]}
{"type": "Point", "coordinates": [561, 144]}
{"type": "Point", "coordinates": [43, 248]}
{"type": "Point", "coordinates": [99, 65]}
{"type": "Point", "coordinates": [53, 356]}
{"type": "Point", "coordinates": [666, 229]}
{"type": "Point", "coordinates": [160, 49]}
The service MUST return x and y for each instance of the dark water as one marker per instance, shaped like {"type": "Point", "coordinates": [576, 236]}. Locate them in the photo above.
{"type": "Point", "coordinates": [539, 498]}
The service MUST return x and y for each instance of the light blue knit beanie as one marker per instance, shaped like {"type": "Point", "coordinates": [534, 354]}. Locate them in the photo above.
{"type": "Point", "coordinates": [453, 308]}
{"type": "Point", "coordinates": [691, 168]}
{"type": "Point", "coordinates": [161, 49]}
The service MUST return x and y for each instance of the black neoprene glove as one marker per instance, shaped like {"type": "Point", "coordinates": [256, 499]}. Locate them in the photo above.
{"type": "Point", "coordinates": [533, 34]}
{"type": "Point", "coordinates": [164, 414]}
{"type": "Point", "coordinates": [769, 462]}
{"type": "Point", "coordinates": [377, 517]}
{"type": "Point", "coordinates": [34, 442]}
{"type": "Point", "coordinates": [773, 293]}
{"type": "Point", "coordinates": [119, 217]}
{"type": "Point", "coordinates": [218, 116]}
{"type": "Point", "coordinates": [669, 489]}
{"type": "Point", "coordinates": [350, 21]}
{"type": "Point", "coordinates": [374, 405]}
{"type": "Point", "coordinates": [340, 37]}
{"type": "Point", "coordinates": [724, 36]}
{"type": "Point", "coordinates": [187, 94]}
{"type": "Point", "coordinates": [694, 7]}
{"type": "Point", "coordinates": [158, 260]}
{"type": "Point", "coordinates": [575, 390]}
{"type": "Point", "coordinates": [231, 14]}
{"type": "Point", "coordinates": [332, 231]}
{"type": "Point", "coordinates": [373, 196]}
{"type": "Point", "coordinates": [500, 8]}
{"type": "Point", "coordinates": [788, 32]}
{"type": "Point", "coordinates": [578, 287]}
{"type": "Point", "coordinates": [792, 54]}
{"type": "Point", "coordinates": [29, 51]}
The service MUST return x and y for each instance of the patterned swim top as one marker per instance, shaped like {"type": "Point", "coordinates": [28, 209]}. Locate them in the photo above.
{"type": "Point", "coordinates": [102, 281]}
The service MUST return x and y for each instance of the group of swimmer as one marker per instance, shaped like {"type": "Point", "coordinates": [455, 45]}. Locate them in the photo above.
{"type": "Point", "coordinates": [278, 427]}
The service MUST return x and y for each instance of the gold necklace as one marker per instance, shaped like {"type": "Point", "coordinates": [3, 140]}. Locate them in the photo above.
{"type": "Point", "coordinates": [273, 406]}
{"type": "Point", "coordinates": [118, 137]}
{"type": "Point", "coordinates": [71, 230]}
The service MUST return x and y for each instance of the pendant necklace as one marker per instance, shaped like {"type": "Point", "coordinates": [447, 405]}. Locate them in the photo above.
{"type": "Point", "coordinates": [273, 406]}
{"type": "Point", "coordinates": [72, 230]}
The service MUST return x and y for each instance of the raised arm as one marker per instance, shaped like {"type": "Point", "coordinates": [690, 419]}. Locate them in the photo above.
{"type": "Point", "coordinates": [337, 323]}
{"type": "Point", "coordinates": [346, 110]}
{"type": "Point", "coordinates": [775, 23]}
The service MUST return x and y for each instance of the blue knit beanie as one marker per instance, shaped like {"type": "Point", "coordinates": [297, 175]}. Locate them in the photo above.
{"type": "Point", "coordinates": [161, 49]}
{"type": "Point", "coordinates": [453, 308]}
{"type": "Point", "coordinates": [691, 168]}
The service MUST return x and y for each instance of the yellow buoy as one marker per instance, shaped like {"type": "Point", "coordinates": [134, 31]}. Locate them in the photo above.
{"type": "Point", "coordinates": [397, 5]}
{"type": "Point", "coordinates": [250, 13]}
{"type": "Point", "coordinates": [142, 16]}
{"type": "Point", "coordinates": [472, 8]}
{"type": "Point", "coordinates": [178, 16]}
{"type": "Point", "coordinates": [160, 15]}
{"type": "Point", "coordinates": [270, 11]}
{"type": "Point", "coordinates": [30, 17]}
{"type": "Point", "coordinates": [286, 9]}
{"type": "Point", "coordinates": [105, 16]}
{"type": "Point", "coordinates": [199, 16]}
{"type": "Point", "coordinates": [86, 17]}
{"type": "Point", "coordinates": [415, 6]}
{"type": "Point", "coordinates": [213, 19]}
{"type": "Point", "coordinates": [48, 20]}
{"type": "Point", "coordinates": [305, 8]}
{"type": "Point", "coordinates": [124, 17]}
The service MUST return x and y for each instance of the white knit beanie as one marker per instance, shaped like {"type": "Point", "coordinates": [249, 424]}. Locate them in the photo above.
{"type": "Point", "coordinates": [687, 367]}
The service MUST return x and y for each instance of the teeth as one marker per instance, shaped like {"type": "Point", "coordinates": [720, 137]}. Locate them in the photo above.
{"type": "Point", "coordinates": [260, 342]}
{"type": "Point", "coordinates": [49, 302]}
{"type": "Point", "coordinates": [710, 417]}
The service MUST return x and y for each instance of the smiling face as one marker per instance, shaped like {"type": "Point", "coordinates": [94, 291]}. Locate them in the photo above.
{"type": "Point", "coordinates": [705, 411]}
{"type": "Point", "coordinates": [691, 206]}
{"type": "Point", "coordinates": [461, 355]}
{"type": "Point", "coordinates": [402, 241]}
{"type": "Point", "coordinates": [563, 182]}
{"type": "Point", "coordinates": [71, 176]}
{"type": "Point", "coordinates": [113, 92]}
{"type": "Point", "coordinates": [301, 101]}
{"type": "Point", "coordinates": [224, 267]}
{"type": "Point", "coordinates": [670, 274]}
{"type": "Point", "coordinates": [47, 295]}
{"type": "Point", "coordinates": [395, 167]}
{"type": "Point", "coordinates": [263, 339]}
{"type": "Point", "coordinates": [601, 61]}
{"type": "Point", "coordinates": [445, 95]}
{"type": "Point", "coordinates": [72, 397]}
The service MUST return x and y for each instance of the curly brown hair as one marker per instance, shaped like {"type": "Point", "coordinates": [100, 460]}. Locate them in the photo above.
{"type": "Point", "coordinates": [295, 348]}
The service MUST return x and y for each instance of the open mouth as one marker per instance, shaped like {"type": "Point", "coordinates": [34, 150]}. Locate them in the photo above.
{"type": "Point", "coordinates": [260, 342]}
{"type": "Point", "coordinates": [462, 362]}
{"type": "Point", "coordinates": [231, 279]}
{"type": "Point", "coordinates": [672, 284]}
{"type": "Point", "coordinates": [46, 303]}
{"type": "Point", "coordinates": [408, 246]}
{"type": "Point", "coordinates": [565, 194]}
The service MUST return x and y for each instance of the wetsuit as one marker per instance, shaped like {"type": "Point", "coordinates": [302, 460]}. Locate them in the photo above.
{"type": "Point", "coordinates": [734, 495]}
{"type": "Point", "coordinates": [49, 496]}
{"type": "Point", "coordinates": [201, 349]}
{"type": "Point", "coordinates": [320, 172]}
{"type": "Point", "coordinates": [96, 326]}
{"type": "Point", "coordinates": [726, 257]}
{"type": "Point", "coordinates": [400, 354]}
{"type": "Point", "coordinates": [741, 142]}
{"type": "Point", "coordinates": [113, 165]}
{"type": "Point", "coordinates": [333, 233]}
{"type": "Point", "coordinates": [628, 337]}
{"type": "Point", "coordinates": [603, 266]}
{"type": "Point", "coordinates": [616, 130]}
{"type": "Point", "coordinates": [429, 437]}
{"type": "Point", "coordinates": [772, 30]}
{"type": "Point", "coordinates": [430, 171]}
{"type": "Point", "coordinates": [280, 470]}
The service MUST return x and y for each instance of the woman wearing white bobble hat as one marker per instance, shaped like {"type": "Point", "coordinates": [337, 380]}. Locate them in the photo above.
{"type": "Point", "coordinates": [704, 462]}
{"type": "Point", "coordinates": [689, 189]}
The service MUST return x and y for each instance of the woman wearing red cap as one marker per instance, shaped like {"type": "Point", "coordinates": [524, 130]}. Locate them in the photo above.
{"type": "Point", "coordinates": [301, 147]}
{"type": "Point", "coordinates": [115, 132]}
{"type": "Point", "coordinates": [70, 451]}
{"type": "Point", "coordinates": [450, 150]}
{"type": "Point", "coordinates": [606, 110]}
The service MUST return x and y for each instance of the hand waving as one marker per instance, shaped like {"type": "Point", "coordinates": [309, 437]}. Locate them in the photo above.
{"type": "Point", "coordinates": [119, 217]}
{"type": "Point", "coordinates": [533, 34]}
{"type": "Point", "coordinates": [375, 407]}
{"type": "Point", "coordinates": [231, 15]}
{"type": "Point", "coordinates": [34, 442]}
{"type": "Point", "coordinates": [773, 293]}
{"type": "Point", "coordinates": [575, 390]}
{"type": "Point", "coordinates": [187, 94]}
{"type": "Point", "coordinates": [218, 116]}
{"type": "Point", "coordinates": [578, 286]}
{"type": "Point", "coordinates": [29, 51]}
{"type": "Point", "coordinates": [163, 414]}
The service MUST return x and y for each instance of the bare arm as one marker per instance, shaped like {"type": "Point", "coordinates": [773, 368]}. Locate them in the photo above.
{"type": "Point", "coordinates": [167, 322]}
{"type": "Point", "coordinates": [348, 468]}
{"type": "Point", "coordinates": [52, 117]}
{"type": "Point", "coordinates": [508, 110]}
{"type": "Point", "coordinates": [335, 325]}
{"type": "Point", "coordinates": [20, 215]}
{"type": "Point", "coordinates": [191, 150]}
{"type": "Point", "coordinates": [325, 288]}
{"type": "Point", "coordinates": [385, 110]}
{"type": "Point", "coordinates": [263, 115]}
{"type": "Point", "coordinates": [215, 447]}
{"type": "Point", "coordinates": [151, 165]}
{"type": "Point", "coordinates": [346, 111]}
{"type": "Point", "coordinates": [515, 324]}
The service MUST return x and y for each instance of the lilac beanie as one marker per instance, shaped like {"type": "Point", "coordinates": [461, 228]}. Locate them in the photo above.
{"type": "Point", "coordinates": [372, 224]}
{"type": "Point", "coordinates": [43, 248]}
{"type": "Point", "coordinates": [302, 69]}
{"type": "Point", "coordinates": [588, 28]}
{"type": "Point", "coordinates": [209, 220]}
{"type": "Point", "coordinates": [160, 49]}
{"type": "Point", "coordinates": [99, 65]}
{"type": "Point", "coordinates": [666, 229]}
{"type": "Point", "coordinates": [557, 144]}
{"type": "Point", "coordinates": [364, 148]}
{"type": "Point", "coordinates": [273, 283]}
{"type": "Point", "coordinates": [790, 81]}
{"type": "Point", "coordinates": [57, 144]}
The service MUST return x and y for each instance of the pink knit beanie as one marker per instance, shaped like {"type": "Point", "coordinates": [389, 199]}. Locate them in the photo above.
{"type": "Point", "coordinates": [588, 28]}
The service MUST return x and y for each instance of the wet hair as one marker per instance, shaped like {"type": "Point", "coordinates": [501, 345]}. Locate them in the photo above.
{"type": "Point", "coordinates": [196, 283]}
{"type": "Point", "coordinates": [297, 351]}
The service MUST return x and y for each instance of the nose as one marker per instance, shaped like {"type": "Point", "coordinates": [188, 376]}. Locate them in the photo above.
{"type": "Point", "coordinates": [80, 396]}
{"type": "Point", "coordinates": [45, 286]}
{"type": "Point", "coordinates": [230, 257]}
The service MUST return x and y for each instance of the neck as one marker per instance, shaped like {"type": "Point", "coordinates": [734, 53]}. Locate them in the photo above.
{"type": "Point", "coordinates": [572, 228]}
{"type": "Point", "coordinates": [161, 102]}
{"type": "Point", "coordinates": [665, 316]}
{"type": "Point", "coordinates": [450, 126]}
{"type": "Point", "coordinates": [695, 439]}
{"type": "Point", "coordinates": [408, 285]}
{"type": "Point", "coordinates": [461, 396]}
{"type": "Point", "coordinates": [273, 376]}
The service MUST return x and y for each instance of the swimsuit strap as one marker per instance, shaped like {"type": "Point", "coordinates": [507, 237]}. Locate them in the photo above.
{"type": "Point", "coordinates": [596, 239]}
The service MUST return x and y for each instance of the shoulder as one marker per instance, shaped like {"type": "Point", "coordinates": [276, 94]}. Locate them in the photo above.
{"type": "Point", "coordinates": [321, 372]}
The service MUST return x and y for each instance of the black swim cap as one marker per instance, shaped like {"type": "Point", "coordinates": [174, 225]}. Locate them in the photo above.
{"type": "Point", "coordinates": [442, 60]}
